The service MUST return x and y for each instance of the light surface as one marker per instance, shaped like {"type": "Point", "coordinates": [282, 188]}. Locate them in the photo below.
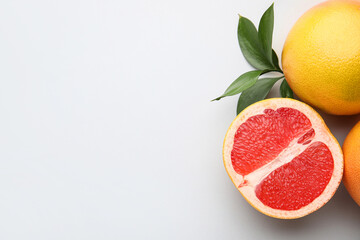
{"type": "Point", "coordinates": [107, 130]}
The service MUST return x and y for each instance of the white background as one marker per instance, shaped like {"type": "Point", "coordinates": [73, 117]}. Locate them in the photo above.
{"type": "Point", "coordinates": [107, 130]}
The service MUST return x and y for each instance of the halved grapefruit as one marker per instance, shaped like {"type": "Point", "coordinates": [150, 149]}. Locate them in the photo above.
{"type": "Point", "coordinates": [282, 158]}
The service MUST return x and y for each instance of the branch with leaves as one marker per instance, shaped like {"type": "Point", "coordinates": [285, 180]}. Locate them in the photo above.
{"type": "Point", "coordinates": [256, 46]}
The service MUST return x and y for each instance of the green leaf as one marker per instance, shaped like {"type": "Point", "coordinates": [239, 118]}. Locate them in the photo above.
{"type": "Point", "coordinates": [275, 61]}
{"type": "Point", "coordinates": [256, 93]}
{"type": "Point", "coordinates": [285, 90]}
{"type": "Point", "coordinates": [241, 83]}
{"type": "Point", "coordinates": [266, 27]}
{"type": "Point", "coordinates": [251, 46]}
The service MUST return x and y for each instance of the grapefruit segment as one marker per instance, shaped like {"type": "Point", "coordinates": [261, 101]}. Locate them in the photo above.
{"type": "Point", "coordinates": [297, 183]}
{"type": "Point", "coordinates": [262, 137]}
{"type": "Point", "coordinates": [282, 158]}
{"type": "Point", "coordinates": [306, 138]}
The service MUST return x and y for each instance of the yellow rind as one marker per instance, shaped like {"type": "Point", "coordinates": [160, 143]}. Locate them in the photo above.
{"type": "Point", "coordinates": [321, 57]}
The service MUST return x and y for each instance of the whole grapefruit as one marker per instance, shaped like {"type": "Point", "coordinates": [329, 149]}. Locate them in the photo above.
{"type": "Point", "coordinates": [321, 57]}
{"type": "Point", "coordinates": [351, 148]}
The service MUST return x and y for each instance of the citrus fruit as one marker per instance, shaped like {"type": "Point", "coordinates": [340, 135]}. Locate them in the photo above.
{"type": "Point", "coordinates": [282, 158]}
{"type": "Point", "coordinates": [351, 149]}
{"type": "Point", "coordinates": [321, 57]}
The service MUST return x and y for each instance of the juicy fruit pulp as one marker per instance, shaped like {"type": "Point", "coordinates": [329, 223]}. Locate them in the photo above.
{"type": "Point", "coordinates": [282, 158]}
{"type": "Point", "coordinates": [262, 138]}
{"type": "Point", "coordinates": [298, 183]}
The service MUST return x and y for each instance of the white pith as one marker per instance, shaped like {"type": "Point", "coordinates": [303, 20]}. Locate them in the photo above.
{"type": "Point", "coordinates": [322, 134]}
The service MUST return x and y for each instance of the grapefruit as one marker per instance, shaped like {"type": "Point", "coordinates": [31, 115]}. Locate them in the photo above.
{"type": "Point", "coordinates": [282, 158]}
{"type": "Point", "coordinates": [351, 149]}
{"type": "Point", "coordinates": [321, 57]}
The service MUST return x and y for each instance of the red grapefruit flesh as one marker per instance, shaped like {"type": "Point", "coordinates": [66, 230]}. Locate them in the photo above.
{"type": "Point", "coordinates": [282, 158]}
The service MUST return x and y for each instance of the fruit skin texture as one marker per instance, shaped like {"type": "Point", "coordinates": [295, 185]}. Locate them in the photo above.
{"type": "Point", "coordinates": [351, 148]}
{"type": "Point", "coordinates": [321, 57]}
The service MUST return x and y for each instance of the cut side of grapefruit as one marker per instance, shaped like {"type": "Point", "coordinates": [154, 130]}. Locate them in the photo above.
{"type": "Point", "coordinates": [282, 158]}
